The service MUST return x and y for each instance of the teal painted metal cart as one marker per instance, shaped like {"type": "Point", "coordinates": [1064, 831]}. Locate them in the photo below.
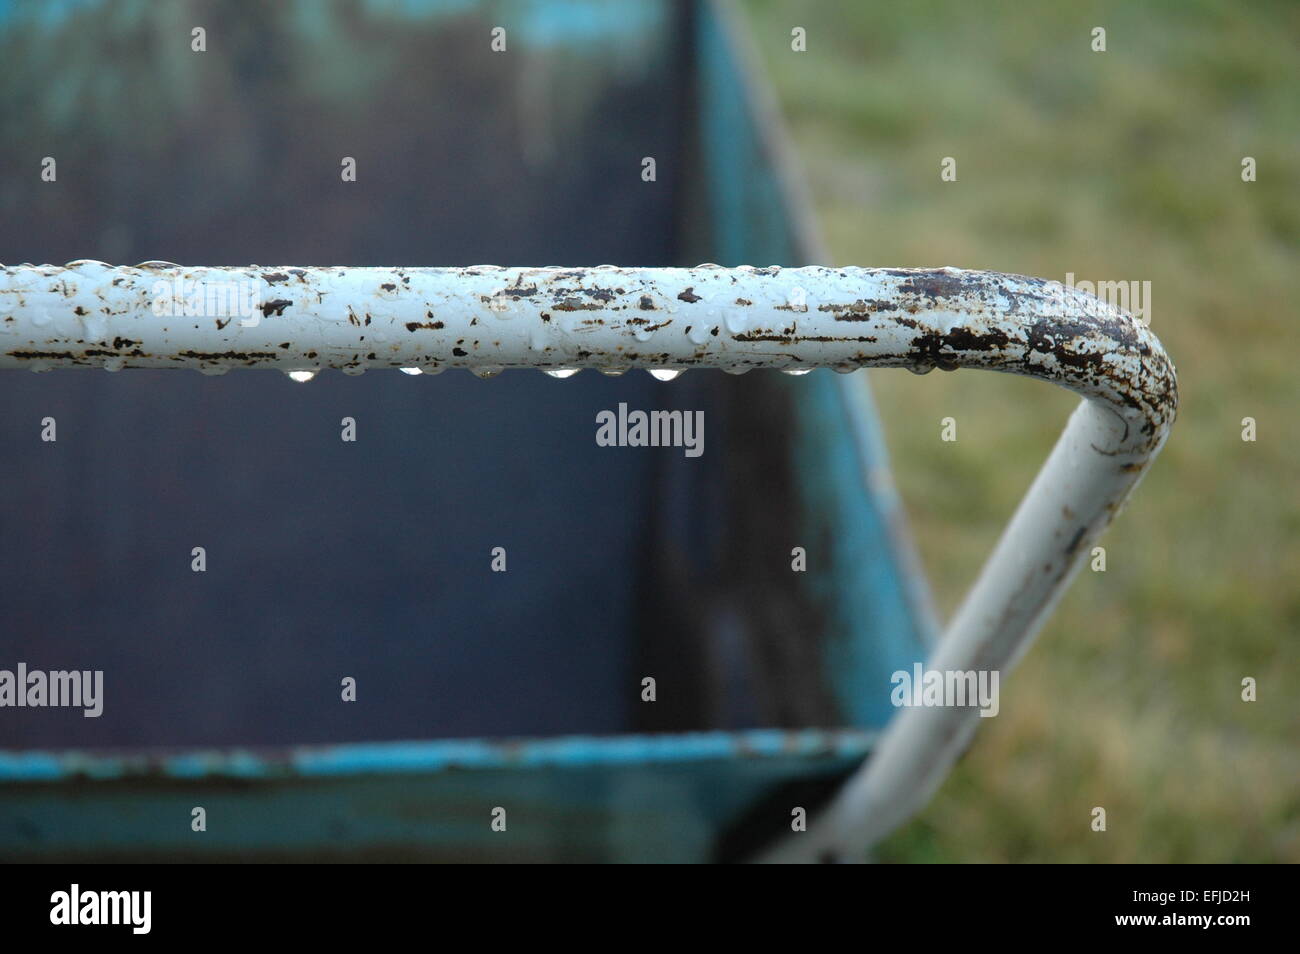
{"type": "Point", "coordinates": [476, 691]}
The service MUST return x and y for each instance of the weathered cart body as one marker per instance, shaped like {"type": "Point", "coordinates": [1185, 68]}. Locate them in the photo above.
{"type": "Point", "coordinates": [379, 560]}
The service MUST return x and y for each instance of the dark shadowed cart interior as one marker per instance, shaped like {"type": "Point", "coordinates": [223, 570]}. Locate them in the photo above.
{"type": "Point", "coordinates": [371, 560]}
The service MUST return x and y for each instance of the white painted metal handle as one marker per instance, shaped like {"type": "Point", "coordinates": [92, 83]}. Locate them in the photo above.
{"type": "Point", "coordinates": [488, 318]}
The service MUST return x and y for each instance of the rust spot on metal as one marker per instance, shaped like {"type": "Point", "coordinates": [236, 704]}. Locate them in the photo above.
{"type": "Point", "coordinates": [574, 304]}
{"type": "Point", "coordinates": [795, 339]}
{"type": "Point", "coordinates": [965, 339]}
{"type": "Point", "coordinates": [934, 284]}
{"type": "Point", "coordinates": [689, 296]}
{"type": "Point", "coordinates": [856, 310]}
{"type": "Point", "coordinates": [645, 325]}
{"type": "Point", "coordinates": [278, 306]}
{"type": "Point", "coordinates": [105, 353]}
{"type": "Point", "coordinates": [227, 355]}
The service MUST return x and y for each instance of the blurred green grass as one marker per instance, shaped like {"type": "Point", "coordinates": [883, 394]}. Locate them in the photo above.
{"type": "Point", "coordinates": [1123, 165]}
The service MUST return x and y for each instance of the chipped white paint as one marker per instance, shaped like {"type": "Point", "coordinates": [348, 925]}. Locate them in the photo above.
{"type": "Point", "coordinates": [561, 319]}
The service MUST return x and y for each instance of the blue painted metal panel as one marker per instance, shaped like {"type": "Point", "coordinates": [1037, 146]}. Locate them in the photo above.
{"type": "Point", "coordinates": [876, 617]}
{"type": "Point", "coordinates": [645, 798]}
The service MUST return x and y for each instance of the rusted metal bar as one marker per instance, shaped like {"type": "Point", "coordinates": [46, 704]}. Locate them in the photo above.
{"type": "Point", "coordinates": [157, 315]}
{"type": "Point", "coordinates": [488, 318]}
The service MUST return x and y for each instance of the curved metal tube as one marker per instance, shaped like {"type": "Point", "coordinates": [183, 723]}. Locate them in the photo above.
{"type": "Point", "coordinates": [487, 318]}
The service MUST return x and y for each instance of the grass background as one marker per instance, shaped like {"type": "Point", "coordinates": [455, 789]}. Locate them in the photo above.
{"type": "Point", "coordinates": [1122, 165]}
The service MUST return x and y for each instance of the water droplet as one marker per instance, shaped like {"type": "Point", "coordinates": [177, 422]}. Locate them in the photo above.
{"type": "Point", "coordinates": [737, 319]}
{"type": "Point", "coordinates": [96, 327]}
{"type": "Point", "coordinates": [613, 372]}
{"type": "Point", "coordinates": [735, 370]}
{"type": "Point", "coordinates": [302, 377]}
{"type": "Point", "coordinates": [213, 370]}
{"type": "Point", "coordinates": [795, 371]}
{"type": "Point", "coordinates": [412, 371]}
{"type": "Point", "coordinates": [920, 368]}
{"type": "Point", "coordinates": [485, 373]}
{"type": "Point", "coordinates": [562, 372]}
{"type": "Point", "coordinates": [700, 332]}
{"type": "Point", "coordinates": [433, 369]}
{"type": "Point", "coordinates": [114, 364]}
{"type": "Point", "coordinates": [39, 367]}
{"type": "Point", "coordinates": [664, 374]}
{"type": "Point", "coordinates": [354, 372]}
{"type": "Point", "coordinates": [845, 368]}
